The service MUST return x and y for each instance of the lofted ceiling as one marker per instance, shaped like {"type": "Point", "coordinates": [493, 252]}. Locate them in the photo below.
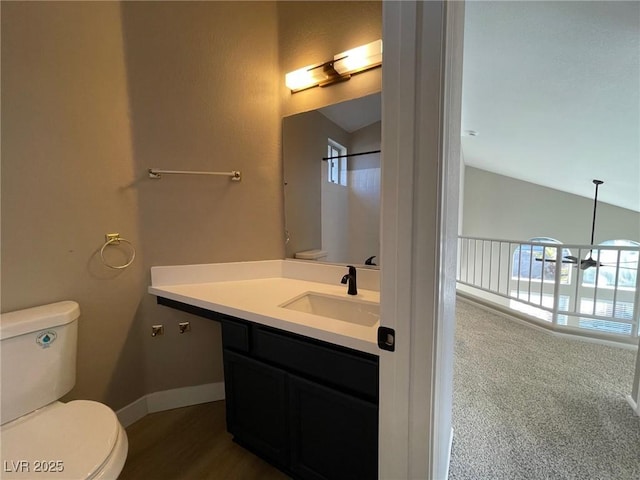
{"type": "Point", "coordinates": [552, 90]}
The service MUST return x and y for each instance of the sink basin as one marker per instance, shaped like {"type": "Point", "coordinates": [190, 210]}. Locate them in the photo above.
{"type": "Point", "coordinates": [350, 310]}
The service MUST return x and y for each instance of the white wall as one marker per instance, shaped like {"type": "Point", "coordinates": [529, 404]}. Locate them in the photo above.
{"type": "Point", "coordinates": [335, 217]}
{"type": "Point", "coordinates": [364, 195]}
{"type": "Point", "coordinates": [501, 207]}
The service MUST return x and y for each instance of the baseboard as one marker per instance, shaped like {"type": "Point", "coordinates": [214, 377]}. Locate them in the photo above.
{"type": "Point", "coordinates": [169, 399]}
{"type": "Point", "coordinates": [539, 325]}
{"type": "Point", "coordinates": [183, 397]}
{"type": "Point", "coordinates": [634, 405]}
{"type": "Point", "coordinates": [133, 412]}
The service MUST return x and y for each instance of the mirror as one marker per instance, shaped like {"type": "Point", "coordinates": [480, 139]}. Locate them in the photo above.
{"type": "Point", "coordinates": [333, 205]}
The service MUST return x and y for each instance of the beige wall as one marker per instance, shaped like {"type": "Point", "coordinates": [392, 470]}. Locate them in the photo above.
{"type": "Point", "coordinates": [67, 175]}
{"type": "Point", "coordinates": [94, 94]}
{"type": "Point", "coordinates": [313, 32]}
{"type": "Point", "coordinates": [204, 85]}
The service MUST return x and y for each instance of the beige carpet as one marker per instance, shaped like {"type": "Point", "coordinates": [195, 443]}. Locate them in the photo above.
{"type": "Point", "coordinates": [529, 405]}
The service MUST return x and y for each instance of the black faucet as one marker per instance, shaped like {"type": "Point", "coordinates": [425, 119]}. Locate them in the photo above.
{"type": "Point", "coordinates": [351, 278]}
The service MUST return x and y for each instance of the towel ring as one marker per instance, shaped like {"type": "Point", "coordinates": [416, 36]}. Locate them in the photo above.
{"type": "Point", "coordinates": [115, 239]}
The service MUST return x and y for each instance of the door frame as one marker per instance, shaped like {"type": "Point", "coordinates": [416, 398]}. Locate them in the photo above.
{"type": "Point", "coordinates": [421, 105]}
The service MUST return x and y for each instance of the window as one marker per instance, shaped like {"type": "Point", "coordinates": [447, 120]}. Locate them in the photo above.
{"type": "Point", "coordinates": [528, 264]}
{"type": "Point", "coordinates": [625, 272]}
{"type": "Point", "coordinates": [605, 308]}
{"type": "Point", "coordinates": [336, 167]}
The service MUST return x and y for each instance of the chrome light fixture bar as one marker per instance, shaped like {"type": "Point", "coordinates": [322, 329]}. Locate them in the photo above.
{"type": "Point", "coordinates": [339, 69]}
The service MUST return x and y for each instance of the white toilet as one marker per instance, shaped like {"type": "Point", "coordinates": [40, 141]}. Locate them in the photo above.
{"type": "Point", "coordinates": [315, 254]}
{"type": "Point", "coordinates": [42, 437]}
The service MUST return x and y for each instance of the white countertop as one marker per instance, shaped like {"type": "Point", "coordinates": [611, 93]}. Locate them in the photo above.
{"type": "Point", "coordinates": [258, 288]}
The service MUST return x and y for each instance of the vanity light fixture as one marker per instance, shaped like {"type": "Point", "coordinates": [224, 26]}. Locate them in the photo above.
{"type": "Point", "coordinates": [339, 69]}
{"type": "Point", "coordinates": [320, 74]}
{"type": "Point", "coordinates": [359, 59]}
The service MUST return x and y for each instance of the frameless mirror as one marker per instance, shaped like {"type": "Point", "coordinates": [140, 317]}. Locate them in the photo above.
{"type": "Point", "coordinates": [332, 182]}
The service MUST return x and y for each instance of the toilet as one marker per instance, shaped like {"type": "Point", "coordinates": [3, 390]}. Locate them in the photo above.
{"type": "Point", "coordinates": [42, 437]}
{"type": "Point", "coordinates": [316, 254]}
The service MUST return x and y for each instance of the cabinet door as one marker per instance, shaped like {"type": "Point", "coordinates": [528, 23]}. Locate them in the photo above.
{"type": "Point", "coordinates": [333, 435]}
{"type": "Point", "coordinates": [256, 400]}
{"type": "Point", "coordinates": [341, 368]}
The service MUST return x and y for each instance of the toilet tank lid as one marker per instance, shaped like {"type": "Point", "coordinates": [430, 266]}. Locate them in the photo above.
{"type": "Point", "coordinates": [311, 254]}
{"type": "Point", "coordinates": [33, 319]}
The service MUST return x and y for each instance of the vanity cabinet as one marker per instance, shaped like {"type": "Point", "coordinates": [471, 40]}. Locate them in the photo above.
{"type": "Point", "coordinates": [333, 435]}
{"type": "Point", "coordinates": [256, 397]}
{"type": "Point", "coordinates": [305, 405]}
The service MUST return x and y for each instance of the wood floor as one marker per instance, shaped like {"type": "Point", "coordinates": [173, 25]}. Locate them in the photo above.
{"type": "Point", "coordinates": [190, 443]}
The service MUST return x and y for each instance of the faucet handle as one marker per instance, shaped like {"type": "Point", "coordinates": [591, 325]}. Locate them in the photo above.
{"type": "Point", "coordinates": [352, 274]}
{"type": "Point", "coordinates": [351, 278]}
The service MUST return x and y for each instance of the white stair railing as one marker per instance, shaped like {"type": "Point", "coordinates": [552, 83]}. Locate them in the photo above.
{"type": "Point", "coordinates": [598, 298]}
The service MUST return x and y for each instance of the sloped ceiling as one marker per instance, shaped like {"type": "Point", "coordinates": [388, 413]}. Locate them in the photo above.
{"type": "Point", "coordinates": [551, 88]}
{"type": "Point", "coordinates": [355, 114]}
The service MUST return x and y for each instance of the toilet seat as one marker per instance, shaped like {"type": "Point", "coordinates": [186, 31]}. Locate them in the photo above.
{"type": "Point", "coordinates": [83, 437]}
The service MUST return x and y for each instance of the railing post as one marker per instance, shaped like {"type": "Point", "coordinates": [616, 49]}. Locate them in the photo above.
{"type": "Point", "coordinates": [482, 245]}
{"type": "Point", "coordinates": [578, 279]}
{"type": "Point", "coordinates": [556, 287]}
{"type": "Point", "coordinates": [511, 254]}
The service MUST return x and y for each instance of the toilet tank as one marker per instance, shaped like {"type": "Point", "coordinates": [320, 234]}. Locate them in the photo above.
{"type": "Point", "coordinates": [316, 254]}
{"type": "Point", "coordinates": [38, 356]}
